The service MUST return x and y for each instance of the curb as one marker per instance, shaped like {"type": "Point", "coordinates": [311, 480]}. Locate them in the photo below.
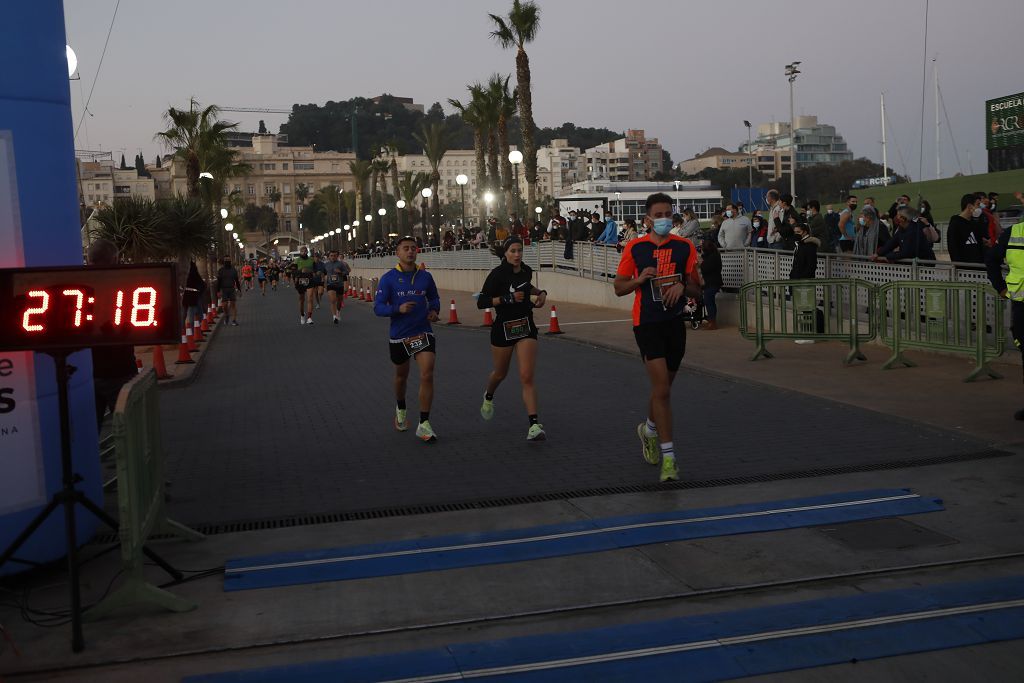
{"type": "Point", "coordinates": [180, 383]}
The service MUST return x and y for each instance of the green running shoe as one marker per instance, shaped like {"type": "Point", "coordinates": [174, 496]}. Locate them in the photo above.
{"type": "Point", "coordinates": [652, 452]}
{"type": "Point", "coordinates": [536, 433]}
{"type": "Point", "coordinates": [669, 472]}
{"type": "Point", "coordinates": [400, 423]}
{"type": "Point", "coordinates": [487, 409]}
{"type": "Point", "coordinates": [425, 433]}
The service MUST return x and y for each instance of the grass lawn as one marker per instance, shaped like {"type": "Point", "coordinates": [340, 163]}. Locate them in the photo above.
{"type": "Point", "coordinates": [944, 194]}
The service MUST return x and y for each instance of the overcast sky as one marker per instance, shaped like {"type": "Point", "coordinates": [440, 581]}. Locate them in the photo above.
{"type": "Point", "coordinates": [686, 72]}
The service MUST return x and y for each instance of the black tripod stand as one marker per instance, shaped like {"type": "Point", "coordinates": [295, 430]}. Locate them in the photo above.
{"type": "Point", "coordinates": [67, 498]}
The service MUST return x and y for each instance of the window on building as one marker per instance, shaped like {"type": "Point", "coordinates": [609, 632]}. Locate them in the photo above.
{"type": "Point", "coordinates": [303, 165]}
{"type": "Point", "coordinates": [284, 166]}
{"type": "Point", "coordinates": [122, 189]}
{"type": "Point", "coordinates": [250, 190]}
{"type": "Point", "coordinates": [335, 165]}
{"type": "Point", "coordinates": [269, 189]}
{"type": "Point", "coordinates": [286, 188]}
{"type": "Point", "coordinates": [287, 226]}
{"type": "Point", "coordinates": [268, 167]}
{"type": "Point", "coordinates": [287, 208]}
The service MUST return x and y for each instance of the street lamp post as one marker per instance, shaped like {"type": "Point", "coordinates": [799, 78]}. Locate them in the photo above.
{"type": "Point", "coordinates": [676, 183]}
{"type": "Point", "coordinates": [750, 162]}
{"type": "Point", "coordinates": [400, 204]}
{"type": "Point", "coordinates": [425, 206]}
{"type": "Point", "coordinates": [618, 204]}
{"type": "Point", "coordinates": [461, 181]}
{"type": "Point", "coordinates": [791, 73]}
{"type": "Point", "coordinates": [488, 198]}
{"type": "Point", "coordinates": [515, 157]}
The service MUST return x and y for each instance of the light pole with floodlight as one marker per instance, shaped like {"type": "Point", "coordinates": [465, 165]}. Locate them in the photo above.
{"type": "Point", "coordinates": [750, 164]}
{"type": "Point", "coordinates": [400, 204]}
{"type": "Point", "coordinates": [791, 73]}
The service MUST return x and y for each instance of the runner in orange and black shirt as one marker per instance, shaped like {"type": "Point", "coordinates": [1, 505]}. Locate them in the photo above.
{"type": "Point", "coordinates": [660, 269]}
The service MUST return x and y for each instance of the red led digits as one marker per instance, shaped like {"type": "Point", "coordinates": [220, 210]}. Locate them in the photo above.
{"type": "Point", "coordinates": [149, 308]}
{"type": "Point", "coordinates": [44, 305]}
{"type": "Point", "coordinates": [118, 306]}
{"type": "Point", "coordinates": [79, 300]}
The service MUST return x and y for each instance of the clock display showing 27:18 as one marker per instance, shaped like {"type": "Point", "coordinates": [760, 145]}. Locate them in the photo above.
{"type": "Point", "coordinates": [70, 308]}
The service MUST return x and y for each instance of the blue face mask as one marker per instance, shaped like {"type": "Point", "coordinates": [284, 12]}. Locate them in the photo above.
{"type": "Point", "coordinates": [662, 226]}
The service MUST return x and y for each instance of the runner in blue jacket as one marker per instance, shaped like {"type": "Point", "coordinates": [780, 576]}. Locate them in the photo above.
{"type": "Point", "coordinates": [409, 297]}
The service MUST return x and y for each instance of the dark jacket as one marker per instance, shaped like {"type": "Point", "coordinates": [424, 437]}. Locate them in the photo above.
{"type": "Point", "coordinates": [194, 287]}
{"type": "Point", "coordinates": [819, 230]}
{"type": "Point", "coordinates": [711, 268]}
{"type": "Point", "coordinates": [964, 238]}
{"type": "Point", "coordinates": [805, 259]}
{"type": "Point", "coordinates": [908, 243]}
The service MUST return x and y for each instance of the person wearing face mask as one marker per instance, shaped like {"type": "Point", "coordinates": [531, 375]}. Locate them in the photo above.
{"type": "Point", "coordinates": [691, 226]}
{"type": "Point", "coordinates": [965, 233]}
{"type": "Point", "coordinates": [610, 234]}
{"type": "Point", "coordinates": [660, 270]}
{"type": "Point", "coordinates": [993, 199]}
{"type": "Point", "coordinates": [901, 201]}
{"type": "Point", "coordinates": [735, 230]}
{"type": "Point", "coordinates": [871, 234]}
{"type": "Point", "coordinates": [758, 231]}
{"type": "Point", "coordinates": [847, 225]}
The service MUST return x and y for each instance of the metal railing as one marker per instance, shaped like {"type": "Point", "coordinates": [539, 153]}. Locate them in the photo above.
{"type": "Point", "coordinates": [818, 310]}
{"type": "Point", "coordinates": [739, 266]}
{"type": "Point", "coordinates": [140, 497]}
{"type": "Point", "coordinates": [950, 317]}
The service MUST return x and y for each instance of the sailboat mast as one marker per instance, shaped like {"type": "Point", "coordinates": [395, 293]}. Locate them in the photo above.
{"type": "Point", "coordinates": [935, 77]}
{"type": "Point", "coordinates": [885, 156]}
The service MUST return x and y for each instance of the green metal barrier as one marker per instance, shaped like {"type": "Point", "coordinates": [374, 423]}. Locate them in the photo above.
{"type": "Point", "coordinates": [140, 494]}
{"type": "Point", "coordinates": [818, 310]}
{"type": "Point", "coordinates": [952, 317]}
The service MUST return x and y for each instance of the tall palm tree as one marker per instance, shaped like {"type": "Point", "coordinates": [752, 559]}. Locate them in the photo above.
{"type": "Point", "coordinates": [197, 136]}
{"type": "Point", "coordinates": [394, 185]}
{"type": "Point", "coordinates": [383, 167]}
{"type": "Point", "coordinates": [410, 185]}
{"type": "Point", "coordinates": [434, 139]}
{"type": "Point", "coordinates": [474, 116]}
{"type": "Point", "coordinates": [361, 171]}
{"type": "Point", "coordinates": [505, 103]}
{"type": "Point", "coordinates": [516, 30]}
{"type": "Point", "coordinates": [490, 111]}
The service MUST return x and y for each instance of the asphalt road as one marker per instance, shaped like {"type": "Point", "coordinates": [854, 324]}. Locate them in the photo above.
{"type": "Point", "coordinates": [286, 420]}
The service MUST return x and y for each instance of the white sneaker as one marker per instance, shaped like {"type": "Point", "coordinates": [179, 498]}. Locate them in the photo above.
{"type": "Point", "coordinates": [302, 321]}
{"type": "Point", "coordinates": [309, 321]}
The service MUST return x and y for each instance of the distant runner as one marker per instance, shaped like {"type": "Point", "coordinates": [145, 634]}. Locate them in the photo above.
{"type": "Point", "coordinates": [228, 286]}
{"type": "Point", "coordinates": [409, 297]}
{"type": "Point", "coordinates": [304, 285]}
{"type": "Point", "coordinates": [247, 276]}
{"type": "Point", "coordinates": [337, 274]}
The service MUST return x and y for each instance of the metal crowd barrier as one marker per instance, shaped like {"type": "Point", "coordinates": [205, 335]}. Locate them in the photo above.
{"type": "Point", "coordinates": [950, 317]}
{"type": "Point", "coordinates": [140, 497]}
{"type": "Point", "coordinates": [806, 309]}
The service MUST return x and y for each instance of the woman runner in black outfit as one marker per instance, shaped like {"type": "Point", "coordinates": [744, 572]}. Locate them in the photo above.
{"type": "Point", "coordinates": [508, 289]}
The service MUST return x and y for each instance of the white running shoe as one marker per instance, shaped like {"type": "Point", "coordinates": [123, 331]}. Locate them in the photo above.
{"type": "Point", "coordinates": [309, 321]}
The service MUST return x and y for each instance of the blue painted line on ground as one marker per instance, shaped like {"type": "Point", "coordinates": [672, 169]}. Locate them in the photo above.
{"type": "Point", "coordinates": [585, 536]}
{"type": "Point", "coordinates": [706, 647]}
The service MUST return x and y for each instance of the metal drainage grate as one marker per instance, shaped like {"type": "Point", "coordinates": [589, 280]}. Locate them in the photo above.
{"type": "Point", "coordinates": [405, 511]}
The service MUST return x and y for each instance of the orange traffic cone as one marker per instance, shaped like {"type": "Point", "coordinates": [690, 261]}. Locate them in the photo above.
{"type": "Point", "coordinates": [554, 328]}
{"type": "Point", "coordinates": [138, 364]}
{"type": "Point", "coordinates": [488, 318]}
{"type": "Point", "coordinates": [183, 356]}
{"type": "Point", "coordinates": [158, 363]}
{"type": "Point", "coordinates": [453, 315]}
{"type": "Point", "coordinates": [190, 341]}
{"type": "Point", "coordinates": [197, 332]}
{"type": "Point", "coordinates": [204, 326]}
{"type": "Point", "coordinates": [369, 297]}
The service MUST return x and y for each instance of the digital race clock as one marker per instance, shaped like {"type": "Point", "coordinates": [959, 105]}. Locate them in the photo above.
{"type": "Point", "coordinates": [81, 307]}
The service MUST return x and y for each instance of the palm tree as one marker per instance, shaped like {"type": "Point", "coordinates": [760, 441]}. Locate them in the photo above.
{"type": "Point", "coordinates": [505, 103]}
{"type": "Point", "coordinates": [410, 185]}
{"type": "Point", "coordinates": [434, 139]}
{"type": "Point", "coordinates": [197, 137]}
{"type": "Point", "coordinates": [490, 109]}
{"type": "Point", "coordinates": [393, 169]}
{"type": "Point", "coordinates": [190, 230]}
{"type": "Point", "coordinates": [474, 116]}
{"type": "Point", "coordinates": [136, 225]}
{"type": "Point", "coordinates": [361, 171]}
{"type": "Point", "coordinates": [383, 167]}
{"type": "Point", "coordinates": [518, 29]}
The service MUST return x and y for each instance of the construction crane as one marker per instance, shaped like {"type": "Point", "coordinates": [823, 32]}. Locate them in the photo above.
{"type": "Point", "coordinates": [257, 110]}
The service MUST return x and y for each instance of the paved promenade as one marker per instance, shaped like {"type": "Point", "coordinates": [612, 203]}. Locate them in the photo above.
{"type": "Point", "coordinates": [286, 420]}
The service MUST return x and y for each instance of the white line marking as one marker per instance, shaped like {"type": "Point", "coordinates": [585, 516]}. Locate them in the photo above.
{"type": "Point", "coordinates": [568, 534]}
{"type": "Point", "coordinates": [591, 322]}
{"type": "Point", "coordinates": [718, 642]}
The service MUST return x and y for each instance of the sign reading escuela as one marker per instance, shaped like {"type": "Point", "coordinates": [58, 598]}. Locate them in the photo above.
{"type": "Point", "coordinates": [1004, 122]}
{"type": "Point", "coordinates": [22, 484]}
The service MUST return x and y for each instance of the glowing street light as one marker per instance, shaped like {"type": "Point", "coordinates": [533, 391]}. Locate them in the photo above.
{"type": "Point", "coordinates": [223, 213]}
{"type": "Point", "coordinates": [235, 235]}
{"type": "Point", "coordinates": [381, 211]}
{"type": "Point", "coordinates": [461, 180]}
{"type": "Point", "coordinates": [207, 175]}
{"type": "Point", "coordinates": [229, 227]}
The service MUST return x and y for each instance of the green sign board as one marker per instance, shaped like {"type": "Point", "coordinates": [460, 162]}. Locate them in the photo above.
{"type": "Point", "coordinates": [1004, 122]}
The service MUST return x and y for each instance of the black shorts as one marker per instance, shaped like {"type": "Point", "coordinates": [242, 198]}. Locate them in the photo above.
{"type": "Point", "coordinates": [500, 339]}
{"type": "Point", "coordinates": [228, 294]}
{"type": "Point", "coordinates": [400, 356]}
{"type": "Point", "coordinates": [318, 281]}
{"type": "Point", "coordinates": [665, 339]}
